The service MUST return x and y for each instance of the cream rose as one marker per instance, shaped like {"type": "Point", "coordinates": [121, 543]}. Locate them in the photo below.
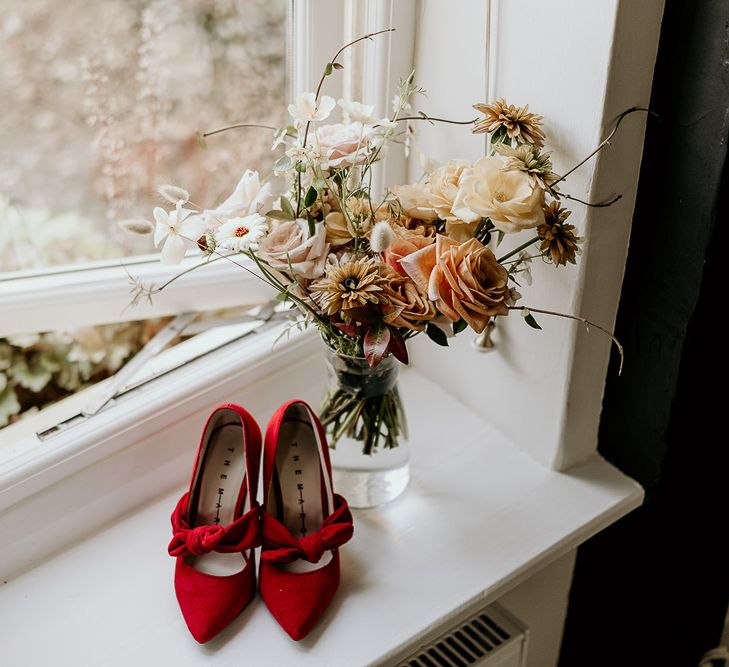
{"type": "Point", "coordinates": [340, 232]}
{"type": "Point", "coordinates": [509, 198]}
{"type": "Point", "coordinates": [345, 144]}
{"type": "Point", "coordinates": [288, 247]}
{"type": "Point", "coordinates": [415, 201]}
{"type": "Point", "coordinates": [443, 187]}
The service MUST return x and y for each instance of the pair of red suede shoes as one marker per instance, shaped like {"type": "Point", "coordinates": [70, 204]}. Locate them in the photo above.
{"type": "Point", "coordinates": [218, 523]}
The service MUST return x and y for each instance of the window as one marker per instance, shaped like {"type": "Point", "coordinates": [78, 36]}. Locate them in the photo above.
{"type": "Point", "coordinates": [115, 93]}
{"type": "Point", "coordinates": [102, 101]}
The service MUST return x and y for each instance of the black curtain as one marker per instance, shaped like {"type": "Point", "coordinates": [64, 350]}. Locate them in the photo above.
{"type": "Point", "coordinates": [653, 589]}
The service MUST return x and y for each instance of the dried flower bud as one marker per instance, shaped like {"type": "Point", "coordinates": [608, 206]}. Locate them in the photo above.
{"type": "Point", "coordinates": [173, 194]}
{"type": "Point", "coordinates": [382, 236]}
{"type": "Point", "coordinates": [137, 226]}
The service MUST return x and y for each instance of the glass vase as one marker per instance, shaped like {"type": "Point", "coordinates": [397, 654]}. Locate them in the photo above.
{"type": "Point", "coordinates": [365, 424]}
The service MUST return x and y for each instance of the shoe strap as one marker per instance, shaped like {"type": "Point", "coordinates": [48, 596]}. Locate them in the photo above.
{"type": "Point", "coordinates": [242, 534]}
{"type": "Point", "coordinates": [280, 546]}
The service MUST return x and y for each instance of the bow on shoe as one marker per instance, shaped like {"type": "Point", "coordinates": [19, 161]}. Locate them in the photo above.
{"type": "Point", "coordinates": [243, 534]}
{"type": "Point", "coordinates": [280, 546]}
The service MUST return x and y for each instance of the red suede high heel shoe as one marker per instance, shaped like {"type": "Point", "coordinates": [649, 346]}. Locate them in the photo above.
{"type": "Point", "coordinates": [303, 521]}
{"type": "Point", "coordinates": [216, 524]}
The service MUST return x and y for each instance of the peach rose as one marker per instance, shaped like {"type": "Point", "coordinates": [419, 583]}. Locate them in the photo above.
{"type": "Point", "coordinates": [406, 306]}
{"type": "Point", "coordinates": [405, 243]}
{"type": "Point", "coordinates": [464, 280]}
{"type": "Point", "coordinates": [288, 247]}
{"type": "Point", "coordinates": [345, 144]}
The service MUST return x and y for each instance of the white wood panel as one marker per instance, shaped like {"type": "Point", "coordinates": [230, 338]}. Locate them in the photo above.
{"type": "Point", "coordinates": [479, 518]}
{"type": "Point", "coordinates": [579, 63]}
{"type": "Point", "coordinates": [541, 604]}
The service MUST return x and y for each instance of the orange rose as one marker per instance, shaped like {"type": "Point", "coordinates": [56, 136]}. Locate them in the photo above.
{"type": "Point", "coordinates": [404, 244]}
{"type": "Point", "coordinates": [464, 280]}
{"type": "Point", "coordinates": [405, 306]}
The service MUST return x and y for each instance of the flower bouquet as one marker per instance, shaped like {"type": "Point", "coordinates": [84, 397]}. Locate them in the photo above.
{"type": "Point", "coordinates": [369, 269]}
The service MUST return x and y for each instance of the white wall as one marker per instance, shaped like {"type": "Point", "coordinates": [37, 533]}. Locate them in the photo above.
{"type": "Point", "coordinates": [541, 604]}
{"type": "Point", "coordinates": [579, 63]}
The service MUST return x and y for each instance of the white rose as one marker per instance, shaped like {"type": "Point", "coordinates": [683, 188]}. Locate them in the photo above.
{"type": "Point", "coordinates": [345, 144]}
{"type": "Point", "coordinates": [250, 196]}
{"type": "Point", "coordinates": [364, 113]}
{"type": "Point", "coordinates": [508, 198]}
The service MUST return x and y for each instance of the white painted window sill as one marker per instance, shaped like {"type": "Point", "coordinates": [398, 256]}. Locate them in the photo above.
{"type": "Point", "coordinates": [480, 517]}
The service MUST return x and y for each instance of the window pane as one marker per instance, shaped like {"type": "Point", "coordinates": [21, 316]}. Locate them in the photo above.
{"type": "Point", "coordinates": [101, 103]}
{"type": "Point", "coordinates": [40, 369]}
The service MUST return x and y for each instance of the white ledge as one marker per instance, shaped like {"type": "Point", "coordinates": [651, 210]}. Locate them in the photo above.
{"type": "Point", "coordinates": [479, 518]}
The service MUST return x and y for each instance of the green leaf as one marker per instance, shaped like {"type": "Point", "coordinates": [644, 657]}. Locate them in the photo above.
{"type": "Point", "coordinates": [328, 69]}
{"type": "Point", "coordinates": [278, 215]}
{"type": "Point", "coordinates": [376, 342]}
{"type": "Point", "coordinates": [529, 319]}
{"type": "Point", "coordinates": [9, 405]}
{"type": "Point", "coordinates": [320, 184]}
{"type": "Point", "coordinates": [459, 326]}
{"type": "Point", "coordinates": [284, 163]}
{"type": "Point", "coordinates": [287, 208]}
{"type": "Point", "coordinates": [436, 334]}
{"type": "Point", "coordinates": [310, 196]}
{"type": "Point", "coordinates": [312, 223]}
{"type": "Point", "coordinates": [30, 376]}
{"type": "Point", "coordinates": [500, 136]}
{"type": "Point", "coordinates": [500, 239]}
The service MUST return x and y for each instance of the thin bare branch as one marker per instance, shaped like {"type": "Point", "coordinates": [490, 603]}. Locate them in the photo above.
{"type": "Point", "coordinates": [605, 141]}
{"type": "Point", "coordinates": [439, 120]}
{"type": "Point", "coordinates": [235, 127]}
{"type": "Point", "coordinates": [586, 322]}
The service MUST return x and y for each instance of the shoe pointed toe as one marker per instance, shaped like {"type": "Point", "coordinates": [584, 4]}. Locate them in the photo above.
{"type": "Point", "coordinates": [210, 603]}
{"type": "Point", "coordinates": [297, 600]}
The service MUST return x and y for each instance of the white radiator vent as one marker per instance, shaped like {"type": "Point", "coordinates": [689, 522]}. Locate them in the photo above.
{"type": "Point", "coordinates": [486, 639]}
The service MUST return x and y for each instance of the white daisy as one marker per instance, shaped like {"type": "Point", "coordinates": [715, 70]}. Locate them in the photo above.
{"type": "Point", "coordinates": [179, 229]}
{"type": "Point", "coordinates": [239, 234]}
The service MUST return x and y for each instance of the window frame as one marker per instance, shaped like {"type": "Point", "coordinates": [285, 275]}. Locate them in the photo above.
{"type": "Point", "coordinates": [101, 292]}
{"type": "Point", "coordinates": [572, 417]}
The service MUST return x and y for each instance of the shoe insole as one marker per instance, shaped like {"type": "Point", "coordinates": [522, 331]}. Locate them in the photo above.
{"type": "Point", "coordinates": [219, 488]}
{"type": "Point", "coordinates": [301, 505]}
